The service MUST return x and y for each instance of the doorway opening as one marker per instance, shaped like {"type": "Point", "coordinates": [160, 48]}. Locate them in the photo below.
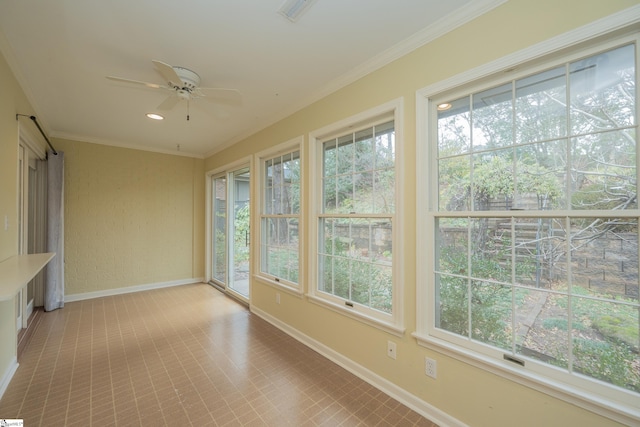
{"type": "Point", "coordinates": [230, 222]}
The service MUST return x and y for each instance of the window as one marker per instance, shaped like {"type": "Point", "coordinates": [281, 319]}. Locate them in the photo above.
{"type": "Point", "coordinates": [356, 204]}
{"type": "Point", "coordinates": [280, 206]}
{"type": "Point", "coordinates": [533, 218]}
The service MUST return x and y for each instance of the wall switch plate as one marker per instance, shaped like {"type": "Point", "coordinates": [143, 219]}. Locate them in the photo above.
{"type": "Point", "coordinates": [277, 297]}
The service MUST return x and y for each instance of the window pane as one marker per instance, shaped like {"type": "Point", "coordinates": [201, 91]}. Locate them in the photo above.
{"type": "Point", "coordinates": [330, 159]}
{"type": "Point", "coordinates": [605, 342]}
{"type": "Point", "coordinates": [219, 230]}
{"type": "Point", "coordinates": [541, 112]}
{"type": "Point", "coordinates": [452, 245]}
{"type": "Point", "coordinates": [294, 181]}
{"type": "Point", "coordinates": [604, 255]}
{"type": "Point", "coordinates": [364, 195]}
{"type": "Point", "coordinates": [492, 118]}
{"type": "Point", "coordinates": [359, 252]}
{"type": "Point", "coordinates": [452, 304]}
{"type": "Point", "coordinates": [329, 194]}
{"type": "Point", "coordinates": [385, 144]}
{"type": "Point", "coordinates": [345, 155]}
{"type": "Point", "coordinates": [604, 171]}
{"type": "Point", "coordinates": [454, 127]}
{"type": "Point", "coordinates": [360, 279]}
{"type": "Point", "coordinates": [603, 91]}
{"type": "Point", "coordinates": [345, 196]}
{"type": "Point", "coordinates": [382, 289]}
{"type": "Point", "coordinates": [280, 242]}
{"type": "Point", "coordinates": [491, 313]}
{"type": "Point", "coordinates": [541, 174]}
{"type": "Point", "coordinates": [454, 184]}
{"type": "Point", "coordinates": [364, 151]}
{"type": "Point", "coordinates": [491, 248]}
{"type": "Point", "coordinates": [383, 191]}
{"type": "Point", "coordinates": [542, 326]}
{"type": "Point", "coordinates": [268, 187]}
{"type": "Point", "coordinates": [493, 180]}
{"type": "Point", "coordinates": [541, 253]}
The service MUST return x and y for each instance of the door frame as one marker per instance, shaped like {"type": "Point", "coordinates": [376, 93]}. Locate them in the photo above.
{"type": "Point", "coordinates": [210, 176]}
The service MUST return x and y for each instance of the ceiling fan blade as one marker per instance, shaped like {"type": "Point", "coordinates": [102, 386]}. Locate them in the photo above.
{"type": "Point", "coordinates": [149, 85]}
{"type": "Point", "coordinates": [231, 97]}
{"type": "Point", "coordinates": [168, 73]}
{"type": "Point", "coordinates": [169, 103]}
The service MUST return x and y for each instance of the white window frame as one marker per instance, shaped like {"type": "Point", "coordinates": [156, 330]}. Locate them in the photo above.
{"type": "Point", "coordinates": [293, 145]}
{"type": "Point", "coordinates": [608, 401]}
{"type": "Point", "coordinates": [209, 177]}
{"type": "Point", "coordinates": [391, 323]}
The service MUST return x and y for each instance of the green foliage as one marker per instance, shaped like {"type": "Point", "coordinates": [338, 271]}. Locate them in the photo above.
{"type": "Point", "coordinates": [358, 279]}
{"type": "Point", "coordinates": [606, 362]}
{"type": "Point", "coordinates": [561, 324]}
{"type": "Point", "coordinates": [618, 327]}
{"type": "Point", "coordinates": [283, 263]}
{"type": "Point", "coordinates": [241, 233]}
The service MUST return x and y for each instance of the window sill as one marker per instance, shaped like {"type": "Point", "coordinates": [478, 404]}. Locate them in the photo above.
{"type": "Point", "coordinates": [598, 404]}
{"type": "Point", "coordinates": [371, 321]}
{"type": "Point", "coordinates": [296, 292]}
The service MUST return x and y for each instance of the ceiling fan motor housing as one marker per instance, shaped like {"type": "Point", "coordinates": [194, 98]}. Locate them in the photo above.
{"type": "Point", "coordinates": [190, 79]}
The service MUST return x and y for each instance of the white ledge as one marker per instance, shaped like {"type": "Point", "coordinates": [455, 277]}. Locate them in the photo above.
{"type": "Point", "coordinates": [17, 271]}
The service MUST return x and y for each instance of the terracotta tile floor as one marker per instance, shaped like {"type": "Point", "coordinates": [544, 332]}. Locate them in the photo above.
{"type": "Point", "coordinates": [186, 356]}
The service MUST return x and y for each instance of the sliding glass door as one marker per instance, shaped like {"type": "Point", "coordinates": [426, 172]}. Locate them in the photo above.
{"type": "Point", "coordinates": [231, 231]}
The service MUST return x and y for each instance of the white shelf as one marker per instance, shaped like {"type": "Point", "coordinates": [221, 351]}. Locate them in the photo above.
{"type": "Point", "coordinates": [17, 271]}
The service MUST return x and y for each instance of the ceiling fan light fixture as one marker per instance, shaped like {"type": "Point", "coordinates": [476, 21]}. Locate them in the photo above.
{"type": "Point", "coordinates": [293, 9]}
{"type": "Point", "coordinates": [154, 116]}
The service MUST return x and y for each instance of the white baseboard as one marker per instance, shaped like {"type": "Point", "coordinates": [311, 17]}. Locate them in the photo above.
{"type": "Point", "coordinates": [6, 378]}
{"type": "Point", "coordinates": [29, 309]}
{"type": "Point", "coordinates": [130, 289]}
{"type": "Point", "coordinates": [401, 395]}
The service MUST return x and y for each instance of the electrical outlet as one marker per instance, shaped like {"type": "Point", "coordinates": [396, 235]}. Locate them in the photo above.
{"type": "Point", "coordinates": [391, 349]}
{"type": "Point", "coordinates": [277, 297]}
{"type": "Point", "coordinates": [430, 367]}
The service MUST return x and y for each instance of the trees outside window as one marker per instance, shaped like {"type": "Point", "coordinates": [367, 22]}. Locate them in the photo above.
{"type": "Point", "coordinates": [355, 249]}
{"type": "Point", "coordinates": [356, 256]}
{"type": "Point", "coordinates": [280, 218]}
{"type": "Point", "coordinates": [535, 220]}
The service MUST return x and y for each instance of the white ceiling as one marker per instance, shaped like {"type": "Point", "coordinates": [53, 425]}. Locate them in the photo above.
{"type": "Point", "coordinates": [61, 51]}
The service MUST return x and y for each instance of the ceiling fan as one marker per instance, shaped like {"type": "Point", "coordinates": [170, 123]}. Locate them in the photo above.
{"type": "Point", "coordinates": [184, 84]}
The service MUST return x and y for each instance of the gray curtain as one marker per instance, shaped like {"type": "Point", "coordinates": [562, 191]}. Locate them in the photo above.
{"type": "Point", "coordinates": [54, 285]}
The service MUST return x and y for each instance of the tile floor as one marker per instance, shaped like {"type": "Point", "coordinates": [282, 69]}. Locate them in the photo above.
{"type": "Point", "coordinates": [186, 356]}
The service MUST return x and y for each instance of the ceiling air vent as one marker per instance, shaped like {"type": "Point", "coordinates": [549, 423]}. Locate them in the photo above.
{"type": "Point", "coordinates": [293, 9]}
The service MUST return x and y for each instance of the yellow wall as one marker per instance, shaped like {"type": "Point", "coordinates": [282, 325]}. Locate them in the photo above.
{"type": "Point", "coordinates": [132, 217]}
{"type": "Point", "coordinates": [471, 395]}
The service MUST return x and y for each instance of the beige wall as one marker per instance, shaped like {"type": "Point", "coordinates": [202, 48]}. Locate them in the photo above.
{"type": "Point", "coordinates": [471, 395]}
{"type": "Point", "coordinates": [132, 217]}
